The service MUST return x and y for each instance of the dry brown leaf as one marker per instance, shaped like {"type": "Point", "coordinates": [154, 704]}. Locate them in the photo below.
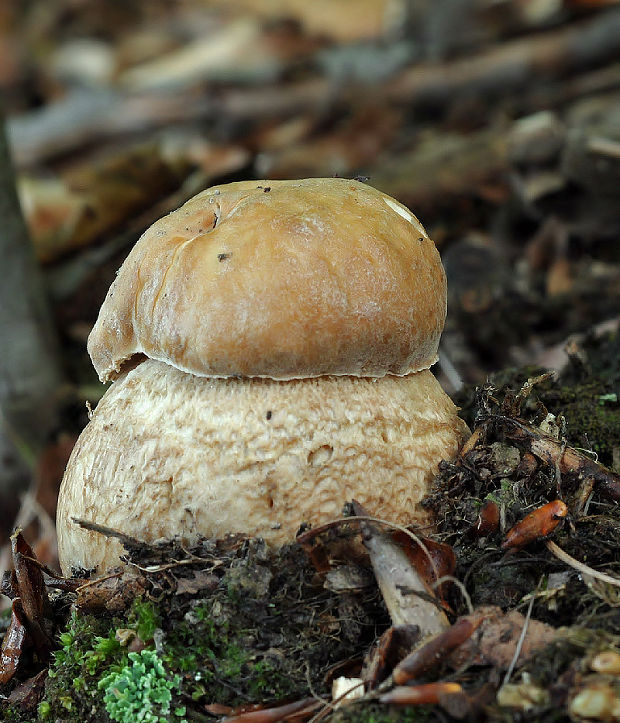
{"type": "Point", "coordinates": [28, 694]}
{"type": "Point", "coordinates": [496, 641]}
{"type": "Point", "coordinates": [95, 197]}
{"type": "Point", "coordinates": [199, 580]}
{"type": "Point", "coordinates": [113, 592]}
{"type": "Point", "coordinates": [32, 594]}
{"type": "Point", "coordinates": [13, 643]}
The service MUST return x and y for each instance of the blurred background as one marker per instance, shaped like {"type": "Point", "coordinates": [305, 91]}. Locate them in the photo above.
{"type": "Point", "coordinates": [496, 121]}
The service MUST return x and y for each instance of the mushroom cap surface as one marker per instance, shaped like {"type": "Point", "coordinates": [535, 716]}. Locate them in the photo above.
{"type": "Point", "coordinates": [278, 279]}
{"type": "Point", "coordinates": [169, 454]}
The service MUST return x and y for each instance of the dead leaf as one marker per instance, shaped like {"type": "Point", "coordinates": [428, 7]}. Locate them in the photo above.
{"type": "Point", "coordinates": [13, 643]}
{"type": "Point", "coordinates": [113, 593]}
{"type": "Point", "coordinates": [497, 638]}
{"type": "Point", "coordinates": [199, 580]}
{"type": "Point", "coordinates": [27, 695]}
{"type": "Point", "coordinates": [393, 646]}
{"type": "Point", "coordinates": [436, 561]}
{"type": "Point", "coordinates": [407, 597]}
{"type": "Point", "coordinates": [33, 594]}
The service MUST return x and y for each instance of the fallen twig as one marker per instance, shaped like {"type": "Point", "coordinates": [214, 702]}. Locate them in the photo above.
{"type": "Point", "coordinates": [109, 532]}
{"type": "Point", "coordinates": [433, 652]}
{"type": "Point", "coordinates": [580, 566]}
{"type": "Point", "coordinates": [97, 580]}
{"type": "Point", "coordinates": [277, 713]}
{"type": "Point", "coordinates": [520, 642]}
{"type": "Point", "coordinates": [427, 693]}
{"type": "Point", "coordinates": [567, 459]}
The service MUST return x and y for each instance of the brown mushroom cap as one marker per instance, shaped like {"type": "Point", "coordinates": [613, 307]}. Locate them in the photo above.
{"type": "Point", "coordinates": [169, 454]}
{"type": "Point", "coordinates": [278, 279]}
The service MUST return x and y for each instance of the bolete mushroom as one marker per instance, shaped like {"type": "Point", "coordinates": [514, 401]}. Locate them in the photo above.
{"type": "Point", "coordinates": [269, 345]}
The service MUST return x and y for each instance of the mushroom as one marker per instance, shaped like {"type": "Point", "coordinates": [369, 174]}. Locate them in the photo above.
{"type": "Point", "coordinates": [268, 344]}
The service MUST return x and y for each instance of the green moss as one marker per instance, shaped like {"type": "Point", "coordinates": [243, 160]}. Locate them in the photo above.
{"type": "Point", "coordinates": [88, 645]}
{"type": "Point", "coordinates": [207, 647]}
{"type": "Point", "coordinates": [592, 417]}
{"type": "Point", "coordinates": [258, 635]}
{"type": "Point", "coordinates": [89, 650]}
{"type": "Point", "coordinates": [145, 619]}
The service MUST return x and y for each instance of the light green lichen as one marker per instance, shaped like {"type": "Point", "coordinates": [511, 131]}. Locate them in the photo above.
{"type": "Point", "coordinates": [140, 691]}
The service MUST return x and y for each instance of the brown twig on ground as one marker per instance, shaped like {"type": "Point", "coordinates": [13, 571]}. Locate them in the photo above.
{"type": "Point", "coordinates": [567, 459]}
{"type": "Point", "coordinates": [580, 566]}
{"type": "Point", "coordinates": [511, 65]}
{"type": "Point", "coordinates": [109, 532]}
{"type": "Point", "coordinates": [434, 652]}
{"type": "Point", "coordinates": [427, 693]}
{"type": "Point", "coordinates": [302, 708]}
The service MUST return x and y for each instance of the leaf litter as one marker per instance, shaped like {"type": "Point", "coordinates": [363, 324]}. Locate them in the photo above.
{"type": "Point", "coordinates": [255, 634]}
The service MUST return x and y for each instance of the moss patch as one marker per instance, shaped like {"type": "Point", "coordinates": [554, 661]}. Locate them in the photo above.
{"type": "Point", "coordinates": [265, 629]}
